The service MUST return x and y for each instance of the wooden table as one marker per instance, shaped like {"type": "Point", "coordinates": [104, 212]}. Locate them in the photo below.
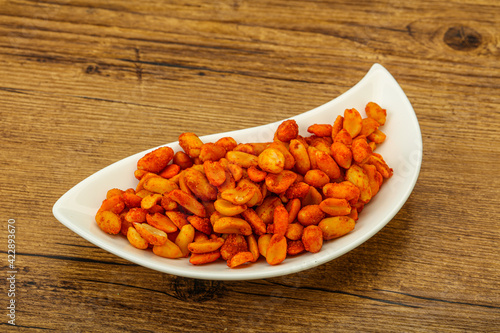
{"type": "Point", "coordinates": [86, 83]}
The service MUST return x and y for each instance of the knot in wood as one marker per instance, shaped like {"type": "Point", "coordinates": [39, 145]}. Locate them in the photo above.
{"type": "Point", "coordinates": [193, 290]}
{"type": "Point", "coordinates": [462, 38]}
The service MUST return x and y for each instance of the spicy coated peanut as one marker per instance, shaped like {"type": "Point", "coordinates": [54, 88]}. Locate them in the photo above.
{"type": "Point", "coordinates": [237, 201]}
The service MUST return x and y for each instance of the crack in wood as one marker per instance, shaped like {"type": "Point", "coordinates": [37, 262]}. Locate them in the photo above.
{"type": "Point", "coordinates": [434, 299]}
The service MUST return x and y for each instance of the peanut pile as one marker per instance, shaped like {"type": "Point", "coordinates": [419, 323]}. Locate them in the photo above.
{"type": "Point", "coordinates": [238, 201]}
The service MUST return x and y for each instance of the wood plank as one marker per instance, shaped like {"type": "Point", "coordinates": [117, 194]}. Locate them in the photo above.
{"type": "Point", "coordinates": [84, 84]}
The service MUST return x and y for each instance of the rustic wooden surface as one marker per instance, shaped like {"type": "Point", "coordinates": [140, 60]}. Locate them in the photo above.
{"type": "Point", "coordinates": [86, 83]}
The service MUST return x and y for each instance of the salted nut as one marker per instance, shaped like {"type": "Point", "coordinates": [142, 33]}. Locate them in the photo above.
{"type": "Point", "coordinates": [236, 202]}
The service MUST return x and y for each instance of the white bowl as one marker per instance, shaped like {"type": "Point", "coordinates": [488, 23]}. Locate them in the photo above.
{"type": "Point", "coordinates": [402, 151]}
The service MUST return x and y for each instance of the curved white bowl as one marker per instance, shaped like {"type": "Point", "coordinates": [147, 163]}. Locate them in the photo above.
{"type": "Point", "coordinates": [402, 151]}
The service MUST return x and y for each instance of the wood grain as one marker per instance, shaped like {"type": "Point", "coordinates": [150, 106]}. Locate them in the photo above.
{"type": "Point", "coordinates": [86, 83]}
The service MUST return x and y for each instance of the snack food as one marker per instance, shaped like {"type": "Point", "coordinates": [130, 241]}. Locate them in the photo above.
{"type": "Point", "coordinates": [239, 201]}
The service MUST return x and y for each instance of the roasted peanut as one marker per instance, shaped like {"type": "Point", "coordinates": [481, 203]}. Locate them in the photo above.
{"type": "Point", "coordinates": [255, 174]}
{"type": "Point", "coordinates": [280, 220]}
{"type": "Point", "coordinates": [227, 208]}
{"type": "Point", "coordinates": [258, 195]}
{"type": "Point", "coordinates": [320, 130]}
{"type": "Point", "coordinates": [295, 247]}
{"type": "Point", "coordinates": [159, 185]}
{"type": "Point", "coordinates": [266, 210]}
{"type": "Point", "coordinates": [258, 147]}
{"type": "Point", "coordinates": [214, 172]}
{"type": "Point", "coordinates": [156, 209]}
{"type": "Point", "coordinates": [131, 200]}
{"type": "Point", "coordinates": [156, 160]}
{"type": "Point", "coordinates": [316, 178]}
{"type": "Point", "coordinates": [109, 222]}
{"type": "Point", "coordinates": [232, 225]}
{"type": "Point", "coordinates": [311, 152]}
{"type": "Point", "coordinates": [201, 224]}
{"type": "Point", "coordinates": [335, 207]}
{"type": "Point", "coordinates": [151, 234]}
{"type": "Point", "coordinates": [253, 247]}
{"type": "Point", "coordinates": [289, 159]}
{"type": "Point", "coordinates": [161, 222]}
{"type": "Point", "coordinates": [227, 143]}
{"type": "Point", "coordinates": [233, 244]}
{"type": "Point", "coordinates": [239, 195]}
{"type": "Point", "coordinates": [204, 258]}
{"type": "Point", "coordinates": [312, 238]}
{"type": "Point", "coordinates": [258, 226]}
{"type": "Point", "coordinates": [310, 215]}
{"type": "Point", "coordinates": [344, 137]}
{"type": "Point", "coordinates": [373, 110]}
{"type": "Point", "coordinates": [136, 215]}
{"type": "Point", "coordinates": [113, 192]}
{"type": "Point", "coordinates": [337, 226]}
{"type": "Point", "coordinates": [294, 231]}
{"type": "Point", "coordinates": [170, 171]}
{"type": "Point", "coordinates": [168, 250]}
{"type": "Point", "coordinates": [327, 164]}
{"type": "Point", "coordinates": [140, 173]}
{"type": "Point", "coordinates": [179, 219]}
{"type": "Point", "coordinates": [144, 178]}
{"type": "Point", "coordinates": [149, 201]}
{"type": "Point", "coordinates": [313, 197]}
{"type": "Point", "coordinates": [356, 175]}
{"type": "Point", "coordinates": [344, 190]}
{"type": "Point", "coordinates": [199, 236]}
{"type": "Point", "coordinates": [239, 259]}
{"type": "Point", "coordinates": [211, 152]}
{"type": "Point", "coordinates": [377, 136]}
{"type": "Point", "coordinates": [183, 160]}
{"type": "Point", "coordinates": [199, 185]}
{"type": "Point", "coordinates": [184, 238]}
{"type": "Point", "coordinates": [236, 171]}
{"type": "Point", "coordinates": [279, 183]}
{"type": "Point", "coordinates": [299, 153]}
{"type": "Point", "coordinates": [143, 193]}
{"type": "Point", "coordinates": [354, 213]}
{"type": "Point", "coordinates": [381, 166]}
{"type": "Point", "coordinates": [374, 177]}
{"type": "Point", "coordinates": [337, 126]}
{"type": "Point", "coordinates": [342, 154]}
{"type": "Point", "coordinates": [287, 130]}
{"type": "Point", "coordinates": [368, 126]}
{"type": "Point", "coordinates": [320, 143]}
{"type": "Point", "coordinates": [246, 148]}
{"type": "Point", "coordinates": [168, 204]}
{"type": "Point", "coordinates": [114, 204]}
{"type": "Point", "coordinates": [293, 207]}
{"type": "Point", "coordinates": [361, 151]}
{"type": "Point", "coordinates": [136, 240]}
{"type": "Point", "coordinates": [271, 160]}
{"type": "Point", "coordinates": [125, 224]}
{"type": "Point", "coordinates": [204, 246]}
{"type": "Point", "coordinates": [228, 183]}
{"type": "Point", "coordinates": [263, 243]}
{"type": "Point", "coordinates": [188, 201]}
{"type": "Point", "coordinates": [297, 190]}
{"type": "Point", "coordinates": [276, 250]}
{"type": "Point", "coordinates": [352, 122]}
{"type": "Point", "coordinates": [244, 160]}
{"type": "Point", "coordinates": [191, 144]}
